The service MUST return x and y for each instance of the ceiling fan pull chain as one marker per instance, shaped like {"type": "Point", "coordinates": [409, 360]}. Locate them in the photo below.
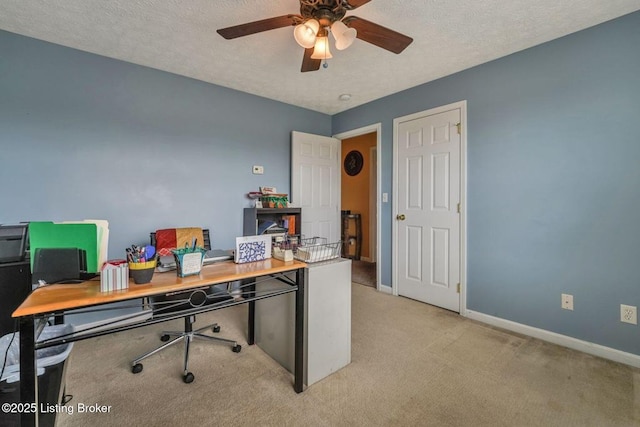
{"type": "Point", "coordinates": [326, 48]}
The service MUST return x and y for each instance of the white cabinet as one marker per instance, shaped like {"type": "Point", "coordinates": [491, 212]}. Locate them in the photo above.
{"type": "Point", "coordinates": [327, 335]}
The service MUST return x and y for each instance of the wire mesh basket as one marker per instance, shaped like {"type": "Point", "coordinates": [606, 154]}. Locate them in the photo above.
{"type": "Point", "coordinates": [314, 249]}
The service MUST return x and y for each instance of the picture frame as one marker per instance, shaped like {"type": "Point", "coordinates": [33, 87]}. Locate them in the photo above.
{"type": "Point", "coordinates": [252, 248]}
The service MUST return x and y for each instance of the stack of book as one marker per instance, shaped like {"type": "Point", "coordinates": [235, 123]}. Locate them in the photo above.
{"type": "Point", "coordinates": [289, 222]}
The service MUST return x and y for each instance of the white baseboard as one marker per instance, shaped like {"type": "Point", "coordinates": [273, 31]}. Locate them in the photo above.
{"type": "Point", "coordinates": [385, 289]}
{"type": "Point", "coordinates": [563, 340]}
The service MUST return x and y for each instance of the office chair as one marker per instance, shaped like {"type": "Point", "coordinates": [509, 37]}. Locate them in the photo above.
{"type": "Point", "coordinates": [164, 241]}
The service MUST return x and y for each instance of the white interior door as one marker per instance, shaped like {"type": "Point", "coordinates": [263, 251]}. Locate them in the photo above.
{"type": "Point", "coordinates": [428, 164]}
{"type": "Point", "coordinates": [315, 184]}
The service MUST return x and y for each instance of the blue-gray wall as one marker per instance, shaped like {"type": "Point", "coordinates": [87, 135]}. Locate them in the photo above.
{"type": "Point", "coordinates": [553, 180]}
{"type": "Point", "coordinates": [553, 163]}
{"type": "Point", "coordinates": [84, 136]}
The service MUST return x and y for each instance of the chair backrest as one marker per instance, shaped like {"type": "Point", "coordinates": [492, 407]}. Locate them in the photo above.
{"type": "Point", "coordinates": [166, 239]}
{"type": "Point", "coordinates": [170, 238]}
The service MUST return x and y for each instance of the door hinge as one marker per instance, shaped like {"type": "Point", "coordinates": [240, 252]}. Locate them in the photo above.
{"type": "Point", "coordinates": [459, 126]}
{"type": "Point", "coordinates": [458, 207]}
{"type": "Point", "coordinates": [458, 287]}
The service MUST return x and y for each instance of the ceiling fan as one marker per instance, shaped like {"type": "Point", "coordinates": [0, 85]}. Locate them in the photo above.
{"type": "Point", "coordinates": [316, 20]}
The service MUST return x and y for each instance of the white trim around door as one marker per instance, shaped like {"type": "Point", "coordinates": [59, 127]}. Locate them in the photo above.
{"type": "Point", "coordinates": [377, 128]}
{"type": "Point", "coordinates": [462, 105]}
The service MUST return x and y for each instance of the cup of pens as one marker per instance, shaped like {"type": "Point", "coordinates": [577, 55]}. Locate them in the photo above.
{"type": "Point", "coordinates": [189, 260]}
{"type": "Point", "coordinates": [142, 263]}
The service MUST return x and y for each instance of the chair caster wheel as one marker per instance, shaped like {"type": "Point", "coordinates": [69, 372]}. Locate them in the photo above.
{"type": "Point", "coordinates": [236, 348]}
{"type": "Point", "coordinates": [188, 378]}
{"type": "Point", "coordinates": [165, 338]}
{"type": "Point", "coordinates": [137, 368]}
{"type": "Point", "coordinates": [216, 329]}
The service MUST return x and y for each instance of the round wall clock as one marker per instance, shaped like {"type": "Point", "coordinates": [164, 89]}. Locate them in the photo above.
{"type": "Point", "coordinates": [353, 162]}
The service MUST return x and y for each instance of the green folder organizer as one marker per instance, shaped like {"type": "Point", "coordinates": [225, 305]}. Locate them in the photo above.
{"type": "Point", "coordinates": [57, 235]}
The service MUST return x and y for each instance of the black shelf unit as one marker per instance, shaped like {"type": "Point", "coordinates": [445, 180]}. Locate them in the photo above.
{"type": "Point", "coordinates": [255, 216]}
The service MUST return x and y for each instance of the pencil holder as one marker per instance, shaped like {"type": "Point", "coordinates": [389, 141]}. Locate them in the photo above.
{"type": "Point", "coordinates": [188, 261]}
{"type": "Point", "coordinates": [142, 272]}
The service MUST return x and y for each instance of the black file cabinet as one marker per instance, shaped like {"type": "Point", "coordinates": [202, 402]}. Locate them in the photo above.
{"type": "Point", "coordinates": [15, 285]}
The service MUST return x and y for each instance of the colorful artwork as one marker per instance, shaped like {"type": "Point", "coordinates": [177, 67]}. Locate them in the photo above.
{"type": "Point", "coordinates": [252, 248]}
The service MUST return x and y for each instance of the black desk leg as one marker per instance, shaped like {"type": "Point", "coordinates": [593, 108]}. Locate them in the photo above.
{"type": "Point", "coordinates": [251, 330]}
{"type": "Point", "coordinates": [299, 338]}
{"type": "Point", "coordinates": [28, 372]}
{"type": "Point", "coordinates": [58, 319]}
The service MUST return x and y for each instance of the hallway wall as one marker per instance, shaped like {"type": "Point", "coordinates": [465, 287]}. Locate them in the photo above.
{"type": "Point", "coordinates": [356, 193]}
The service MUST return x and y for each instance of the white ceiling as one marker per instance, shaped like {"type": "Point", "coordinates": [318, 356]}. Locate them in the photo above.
{"type": "Point", "coordinates": [179, 36]}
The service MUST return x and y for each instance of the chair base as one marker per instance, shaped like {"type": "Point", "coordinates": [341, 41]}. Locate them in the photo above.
{"type": "Point", "coordinates": [188, 335]}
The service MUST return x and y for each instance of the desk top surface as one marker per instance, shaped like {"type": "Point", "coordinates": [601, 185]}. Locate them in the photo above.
{"type": "Point", "coordinates": [63, 297]}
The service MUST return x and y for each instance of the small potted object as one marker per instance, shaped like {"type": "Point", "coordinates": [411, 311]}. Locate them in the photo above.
{"type": "Point", "coordinates": [142, 263]}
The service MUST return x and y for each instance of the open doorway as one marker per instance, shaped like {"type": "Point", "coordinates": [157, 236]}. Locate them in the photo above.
{"type": "Point", "coordinates": [359, 203]}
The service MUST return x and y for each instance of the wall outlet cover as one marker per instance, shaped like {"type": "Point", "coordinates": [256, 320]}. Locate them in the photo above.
{"type": "Point", "coordinates": [629, 314]}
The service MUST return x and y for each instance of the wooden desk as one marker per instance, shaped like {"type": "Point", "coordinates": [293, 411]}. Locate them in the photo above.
{"type": "Point", "coordinates": [56, 299]}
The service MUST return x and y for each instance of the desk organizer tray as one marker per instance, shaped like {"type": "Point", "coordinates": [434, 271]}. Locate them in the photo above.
{"type": "Point", "coordinates": [317, 253]}
{"type": "Point", "coordinates": [310, 250]}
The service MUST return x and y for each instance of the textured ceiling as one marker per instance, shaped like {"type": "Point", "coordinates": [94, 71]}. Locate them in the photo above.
{"type": "Point", "coordinates": [179, 36]}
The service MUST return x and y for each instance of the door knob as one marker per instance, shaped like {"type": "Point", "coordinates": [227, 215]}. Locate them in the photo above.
{"type": "Point", "coordinates": [400, 217]}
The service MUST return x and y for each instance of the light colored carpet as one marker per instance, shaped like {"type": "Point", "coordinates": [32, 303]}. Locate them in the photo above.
{"type": "Point", "coordinates": [412, 365]}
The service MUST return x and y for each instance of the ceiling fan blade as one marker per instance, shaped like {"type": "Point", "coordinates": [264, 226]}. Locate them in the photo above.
{"type": "Point", "coordinates": [309, 64]}
{"type": "Point", "coordinates": [378, 35]}
{"type": "Point", "coordinates": [258, 26]}
{"type": "Point", "coordinates": [352, 4]}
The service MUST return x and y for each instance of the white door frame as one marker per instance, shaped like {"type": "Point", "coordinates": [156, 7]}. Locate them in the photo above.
{"type": "Point", "coordinates": [373, 208]}
{"type": "Point", "coordinates": [377, 128]}
{"type": "Point", "coordinates": [462, 105]}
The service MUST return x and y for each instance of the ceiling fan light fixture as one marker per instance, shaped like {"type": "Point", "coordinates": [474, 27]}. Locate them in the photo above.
{"type": "Point", "coordinates": [305, 33]}
{"type": "Point", "coordinates": [344, 35]}
{"type": "Point", "coordinates": [317, 18]}
{"type": "Point", "coordinates": [321, 49]}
